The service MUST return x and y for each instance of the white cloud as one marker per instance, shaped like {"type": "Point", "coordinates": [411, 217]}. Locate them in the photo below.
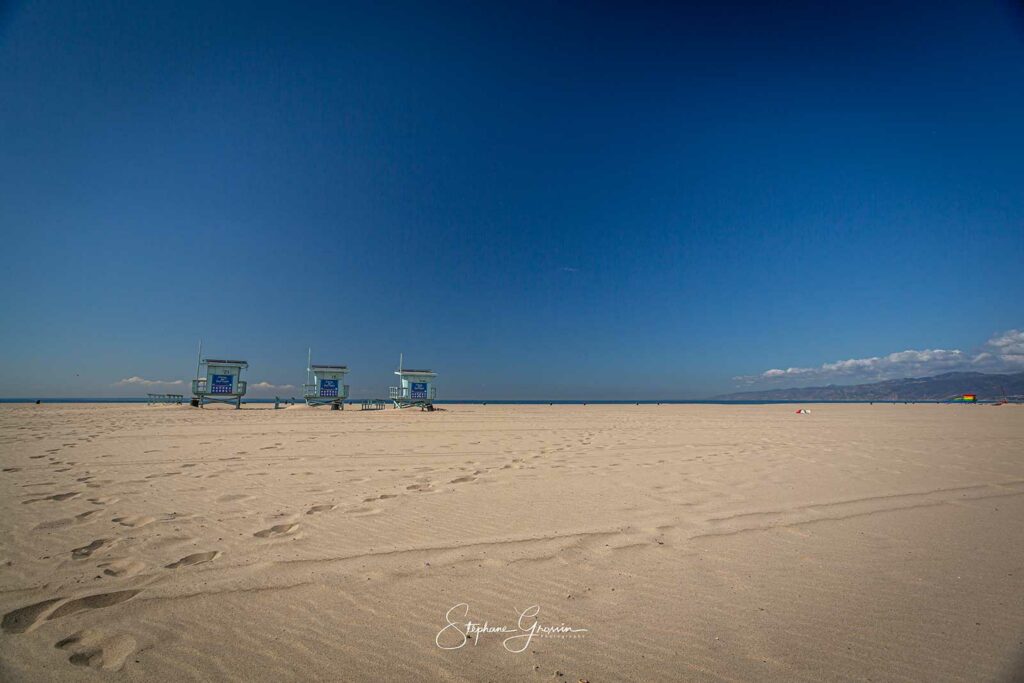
{"type": "Point", "coordinates": [1003, 352]}
{"type": "Point", "coordinates": [1008, 346]}
{"type": "Point", "coordinates": [267, 386]}
{"type": "Point", "coordinates": [141, 381]}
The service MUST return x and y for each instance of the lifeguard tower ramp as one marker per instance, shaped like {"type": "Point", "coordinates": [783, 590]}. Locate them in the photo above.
{"type": "Point", "coordinates": [416, 389]}
{"type": "Point", "coordinates": [222, 384]}
{"type": "Point", "coordinates": [328, 387]}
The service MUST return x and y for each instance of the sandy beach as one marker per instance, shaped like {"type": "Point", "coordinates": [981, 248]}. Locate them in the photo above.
{"type": "Point", "coordinates": [720, 543]}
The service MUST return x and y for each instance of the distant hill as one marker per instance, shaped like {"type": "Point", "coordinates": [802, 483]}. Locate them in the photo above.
{"type": "Point", "coordinates": [937, 388]}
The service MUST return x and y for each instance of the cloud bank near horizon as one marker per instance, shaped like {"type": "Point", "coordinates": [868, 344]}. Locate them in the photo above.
{"type": "Point", "coordinates": [143, 382]}
{"type": "Point", "coordinates": [1002, 352]}
{"type": "Point", "coordinates": [267, 386]}
{"type": "Point", "coordinates": [137, 381]}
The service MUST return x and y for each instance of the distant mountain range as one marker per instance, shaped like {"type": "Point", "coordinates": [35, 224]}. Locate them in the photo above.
{"type": "Point", "coordinates": [938, 388]}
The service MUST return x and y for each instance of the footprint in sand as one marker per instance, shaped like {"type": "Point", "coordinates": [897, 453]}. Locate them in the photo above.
{"type": "Point", "coordinates": [56, 496]}
{"type": "Point", "coordinates": [320, 508]}
{"type": "Point", "coordinates": [90, 602]}
{"type": "Point", "coordinates": [232, 497]}
{"type": "Point", "coordinates": [67, 521]}
{"type": "Point", "coordinates": [195, 558]}
{"type": "Point", "coordinates": [462, 480]}
{"type": "Point", "coordinates": [90, 648]}
{"type": "Point", "coordinates": [12, 469]}
{"type": "Point", "coordinates": [363, 511]}
{"type": "Point", "coordinates": [135, 521]}
{"type": "Point", "coordinates": [122, 567]}
{"type": "Point", "coordinates": [88, 550]}
{"type": "Point", "coordinates": [26, 619]}
{"type": "Point", "coordinates": [418, 487]}
{"type": "Point", "coordinates": [276, 530]}
{"type": "Point", "coordinates": [383, 496]}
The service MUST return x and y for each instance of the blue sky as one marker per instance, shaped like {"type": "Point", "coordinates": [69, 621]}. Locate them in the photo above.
{"type": "Point", "coordinates": [535, 200]}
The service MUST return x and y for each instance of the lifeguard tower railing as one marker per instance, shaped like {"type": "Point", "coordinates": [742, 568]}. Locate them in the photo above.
{"type": "Point", "coordinates": [408, 397]}
{"type": "Point", "coordinates": [317, 394]}
{"type": "Point", "coordinates": [165, 398]}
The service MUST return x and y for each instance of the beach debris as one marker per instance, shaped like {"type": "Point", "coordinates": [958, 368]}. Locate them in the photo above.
{"type": "Point", "coordinates": [803, 411]}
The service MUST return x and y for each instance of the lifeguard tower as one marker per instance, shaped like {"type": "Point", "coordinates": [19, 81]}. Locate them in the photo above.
{"type": "Point", "coordinates": [417, 388]}
{"type": "Point", "coordinates": [222, 384]}
{"type": "Point", "coordinates": [328, 386]}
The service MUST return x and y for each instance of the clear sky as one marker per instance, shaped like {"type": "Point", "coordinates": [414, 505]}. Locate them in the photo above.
{"type": "Point", "coordinates": [535, 200]}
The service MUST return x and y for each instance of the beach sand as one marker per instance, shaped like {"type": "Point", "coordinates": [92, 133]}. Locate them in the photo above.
{"type": "Point", "coordinates": [716, 543]}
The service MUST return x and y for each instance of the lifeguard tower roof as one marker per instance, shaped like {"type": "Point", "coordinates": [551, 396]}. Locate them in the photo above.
{"type": "Point", "coordinates": [407, 371]}
{"type": "Point", "coordinates": [318, 366]}
{"type": "Point", "coordinates": [240, 363]}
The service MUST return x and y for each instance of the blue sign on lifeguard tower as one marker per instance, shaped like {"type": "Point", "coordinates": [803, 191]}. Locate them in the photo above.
{"type": "Point", "coordinates": [418, 389]}
{"type": "Point", "coordinates": [222, 384]}
{"type": "Point", "coordinates": [329, 388]}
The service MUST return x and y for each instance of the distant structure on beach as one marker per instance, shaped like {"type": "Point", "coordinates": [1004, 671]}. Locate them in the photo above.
{"type": "Point", "coordinates": [222, 384]}
{"type": "Point", "coordinates": [328, 386]}
{"type": "Point", "coordinates": [153, 399]}
{"type": "Point", "coordinates": [417, 388]}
